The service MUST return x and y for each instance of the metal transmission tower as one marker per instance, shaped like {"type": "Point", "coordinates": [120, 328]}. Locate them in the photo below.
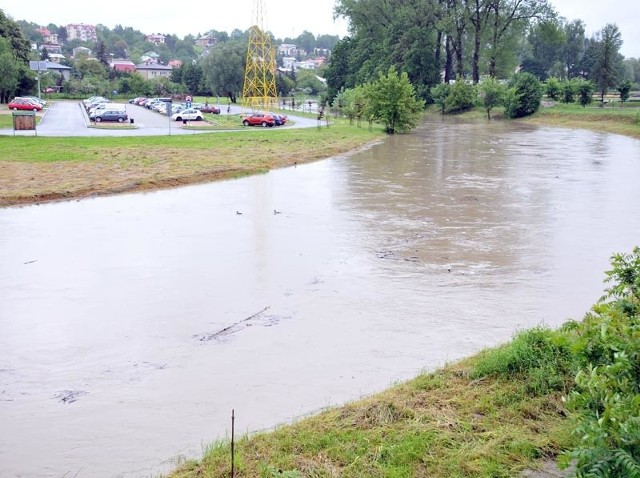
{"type": "Point", "coordinates": [259, 91]}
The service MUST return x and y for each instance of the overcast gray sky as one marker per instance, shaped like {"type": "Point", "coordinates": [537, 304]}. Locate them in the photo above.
{"type": "Point", "coordinates": [283, 17]}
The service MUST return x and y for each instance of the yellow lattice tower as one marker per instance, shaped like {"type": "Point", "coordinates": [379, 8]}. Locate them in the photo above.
{"type": "Point", "coordinates": [259, 91]}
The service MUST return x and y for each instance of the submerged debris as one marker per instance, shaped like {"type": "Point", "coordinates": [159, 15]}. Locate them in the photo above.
{"type": "Point", "coordinates": [70, 396]}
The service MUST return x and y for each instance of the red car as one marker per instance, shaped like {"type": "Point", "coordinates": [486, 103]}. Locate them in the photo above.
{"type": "Point", "coordinates": [24, 104]}
{"type": "Point", "coordinates": [259, 119]}
{"type": "Point", "coordinates": [210, 109]}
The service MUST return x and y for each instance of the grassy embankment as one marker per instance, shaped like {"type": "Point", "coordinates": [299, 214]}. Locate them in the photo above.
{"type": "Point", "coordinates": [446, 424]}
{"type": "Point", "coordinates": [36, 169]}
{"type": "Point", "coordinates": [506, 410]}
{"type": "Point", "coordinates": [609, 119]}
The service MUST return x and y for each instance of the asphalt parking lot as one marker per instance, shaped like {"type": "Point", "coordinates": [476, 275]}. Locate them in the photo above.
{"type": "Point", "coordinates": [67, 118]}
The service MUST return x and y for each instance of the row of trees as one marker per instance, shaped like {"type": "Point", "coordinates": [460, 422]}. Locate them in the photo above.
{"type": "Point", "coordinates": [441, 40]}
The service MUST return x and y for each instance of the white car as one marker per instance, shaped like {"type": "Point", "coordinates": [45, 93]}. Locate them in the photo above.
{"type": "Point", "coordinates": [189, 114]}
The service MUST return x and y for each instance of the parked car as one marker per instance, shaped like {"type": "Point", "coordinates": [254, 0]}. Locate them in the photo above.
{"type": "Point", "coordinates": [94, 103]}
{"type": "Point", "coordinates": [210, 109]}
{"type": "Point", "coordinates": [111, 115]}
{"type": "Point", "coordinates": [259, 119]}
{"type": "Point", "coordinates": [94, 99]}
{"type": "Point", "coordinates": [106, 106]}
{"type": "Point", "coordinates": [189, 114]}
{"type": "Point", "coordinates": [42, 102]}
{"type": "Point", "coordinates": [24, 104]}
{"type": "Point", "coordinates": [279, 119]}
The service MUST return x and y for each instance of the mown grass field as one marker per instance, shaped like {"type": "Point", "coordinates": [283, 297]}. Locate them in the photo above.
{"type": "Point", "coordinates": [34, 169]}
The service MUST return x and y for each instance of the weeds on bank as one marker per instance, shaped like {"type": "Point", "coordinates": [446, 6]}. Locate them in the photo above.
{"type": "Point", "coordinates": [574, 391]}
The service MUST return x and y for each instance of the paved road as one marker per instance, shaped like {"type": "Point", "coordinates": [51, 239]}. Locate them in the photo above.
{"type": "Point", "coordinates": [67, 118]}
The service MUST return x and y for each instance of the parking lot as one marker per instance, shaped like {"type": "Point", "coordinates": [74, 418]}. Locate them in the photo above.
{"type": "Point", "coordinates": [67, 118]}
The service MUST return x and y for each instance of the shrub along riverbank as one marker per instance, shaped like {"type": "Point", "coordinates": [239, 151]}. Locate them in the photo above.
{"type": "Point", "coordinates": [572, 393]}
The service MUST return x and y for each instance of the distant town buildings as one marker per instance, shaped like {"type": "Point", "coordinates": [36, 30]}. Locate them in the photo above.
{"type": "Point", "coordinates": [82, 32]}
{"type": "Point", "coordinates": [156, 39]}
{"type": "Point", "coordinates": [150, 57]}
{"type": "Point", "coordinates": [206, 41]}
{"type": "Point", "coordinates": [122, 65]}
{"type": "Point", "coordinates": [151, 71]}
{"type": "Point", "coordinates": [48, 37]}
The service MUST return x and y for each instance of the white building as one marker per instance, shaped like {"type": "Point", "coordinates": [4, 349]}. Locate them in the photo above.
{"type": "Point", "coordinates": [82, 32]}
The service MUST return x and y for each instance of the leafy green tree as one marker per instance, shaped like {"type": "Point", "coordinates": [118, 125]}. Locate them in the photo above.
{"type": "Point", "coordinates": [192, 78]}
{"type": "Point", "coordinates": [553, 88]}
{"type": "Point", "coordinates": [607, 67]}
{"type": "Point", "coordinates": [507, 15]}
{"type": "Point", "coordinates": [101, 54]}
{"type": "Point", "coordinates": [223, 68]}
{"type": "Point", "coordinates": [624, 88]}
{"type": "Point", "coordinates": [353, 103]}
{"type": "Point", "coordinates": [308, 81]}
{"type": "Point", "coordinates": [392, 100]}
{"type": "Point", "coordinates": [339, 73]}
{"type": "Point", "coordinates": [547, 40]}
{"type": "Point", "coordinates": [568, 91]}
{"type": "Point", "coordinates": [9, 71]}
{"type": "Point", "coordinates": [306, 40]}
{"type": "Point", "coordinates": [10, 30]}
{"type": "Point", "coordinates": [525, 96]}
{"type": "Point", "coordinates": [462, 96]}
{"type": "Point", "coordinates": [585, 91]}
{"type": "Point", "coordinates": [492, 92]}
{"type": "Point", "coordinates": [439, 95]}
{"type": "Point", "coordinates": [574, 47]}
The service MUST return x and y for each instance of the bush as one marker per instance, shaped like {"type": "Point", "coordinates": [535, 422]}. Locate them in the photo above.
{"type": "Point", "coordinates": [568, 91]}
{"type": "Point", "coordinates": [540, 357]}
{"type": "Point", "coordinates": [461, 97]}
{"type": "Point", "coordinates": [585, 92]}
{"type": "Point", "coordinates": [525, 96]}
{"type": "Point", "coordinates": [607, 393]}
{"type": "Point", "coordinates": [439, 95]}
{"type": "Point", "coordinates": [554, 88]}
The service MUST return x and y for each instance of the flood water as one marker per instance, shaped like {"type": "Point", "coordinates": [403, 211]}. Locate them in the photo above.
{"type": "Point", "coordinates": [131, 326]}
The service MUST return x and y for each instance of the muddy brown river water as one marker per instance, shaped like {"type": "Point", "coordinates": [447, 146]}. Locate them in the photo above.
{"type": "Point", "coordinates": [131, 325]}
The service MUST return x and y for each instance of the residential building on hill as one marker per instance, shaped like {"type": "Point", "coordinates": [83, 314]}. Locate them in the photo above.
{"type": "Point", "coordinates": [43, 66]}
{"type": "Point", "coordinates": [82, 32]}
{"type": "Point", "coordinates": [48, 37]}
{"type": "Point", "coordinates": [150, 71]}
{"type": "Point", "coordinates": [155, 38]}
{"type": "Point", "coordinates": [206, 41]}
{"type": "Point", "coordinates": [126, 66]}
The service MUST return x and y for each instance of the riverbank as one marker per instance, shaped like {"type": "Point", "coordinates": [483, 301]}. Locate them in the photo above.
{"type": "Point", "coordinates": [450, 423]}
{"type": "Point", "coordinates": [568, 394]}
{"type": "Point", "coordinates": [38, 169]}
{"type": "Point", "coordinates": [609, 119]}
